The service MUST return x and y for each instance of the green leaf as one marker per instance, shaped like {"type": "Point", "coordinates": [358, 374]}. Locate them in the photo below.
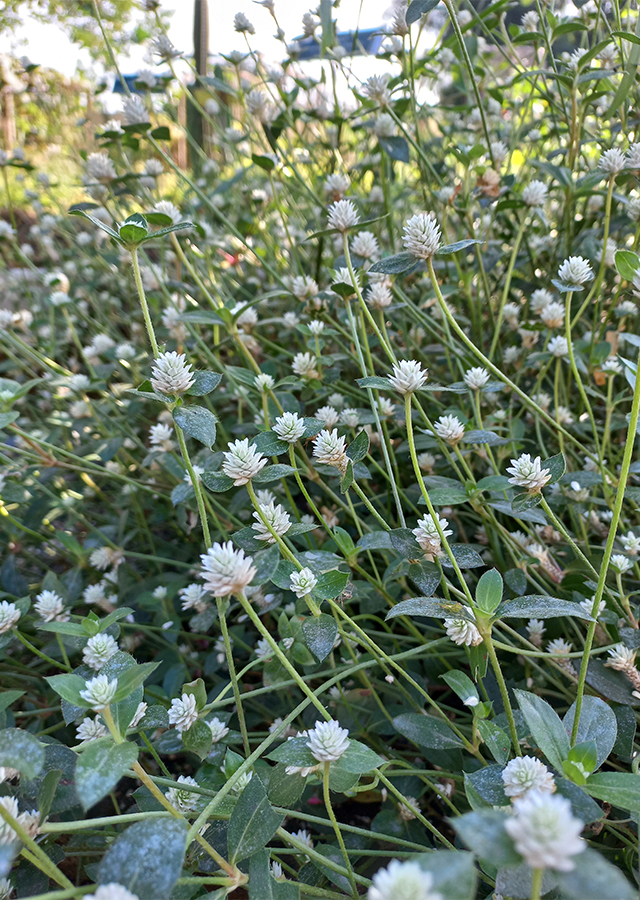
{"type": "Point", "coordinates": [73, 211]}
{"type": "Point", "coordinates": [539, 607]}
{"type": "Point", "coordinates": [453, 873]}
{"type": "Point", "coordinates": [360, 759]}
{"type": "Point", "coordinates": [7, 418]}
{"type": "Point", "coordinates": [545, 726]}
{"type": "Point", "coordinates": [525, 501]}
{"type": "Point", "coordinates": [621, 789]}
{"type": "Point", "coordinates": [465, 556]}
{"type": "Point", "coordinates": [100, 767]}
{"type": "Point", "coordinates": [459, 245]}
{"type": "Point", "coordinates": [147, 858]}
{"type": "Point", "coordinates": [496, 739]}
{"type": "Point", "coordinates": [69, 687]}
{"type": "Point", "coordinates": [133, 678]}
{"type": "Point", "coordinates": [461, 684]}
{"type": "Point", "coordinates": [476, 436]}
{"type": "Point", "coordinates": [7, 698]}
{"type": "Point", "coordinates": [294, 752]}
{"type": "Point", "coordinates": [273, 473]}
{"type": "Point", "coordinates": [594, 878]}
{"type": "Point", "coordinates": [489, 591]}
{"type": "Point", "coordinates": [217, 482]}
{"type": "Point", "coordinates": [418, 8]}
{"type": "Point", "coordinates": [598, 723]}
{"type": "Point", "coordinates": [22, 751]}
{"type": "Point", "coordinates": [374, 381]}
{"type": "Point", "coordinates": [261, 882]}
{"type": "Point", "coordinates": [483, 832]}
{"type": "Point", "coordinates": [581, 762]}
{"type": "Point", "coordinates": [198, 739]}
{"type": "Point", "coordinates": [404, 542]}
{"type": "Point", "coordinates": [320, 634]}
{"type": "Point", "coordinates": [264, 162]}
{"type": "Point", "coordinates": [557, 465]}
{"type": "Point", "coordinates": [627, 264]}
{"type": "Point", "coordinates": [134, 229]}
{"type": "Point", "coordinates": [395, 265]}
{"type": "Point", "coordinates": [161, 133]}
{"type": "Point", "coordinates": [396, 147]}
{"type": "Point", "coordinates": [253, 822]}
{"type": "Point", "coordinates": [359, 447]}
{"type": "Point", "coordinates": [169, 230]}
{"type": "Point", "coordinates": [430, 606]}
{"type": "Point", "coordinates": [204, 383]}
{"type": "Point", "coordinates": [330, 585]}
{"type": "Point", "coordinates": [269, 444]}
{"type": "Point", "coordinates": [198, 423]}
{"type": "Point", "coordinates": [426, 731]}
{"type": "Point", "coordinates": [347, 478]}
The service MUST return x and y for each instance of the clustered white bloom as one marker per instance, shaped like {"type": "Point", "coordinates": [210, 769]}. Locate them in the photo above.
{"type": "Point", "coordinates": [302, 582]}
{"type": "Point", "coordinates": [524, 774]}
{"type": "Point", "coordinates": [422, 236]}
{"type": "Point", "coordinates": [275, 518]}
{"type": "Point", "coordinates": [331, 449]}
{"type": "Point", "coordinates": [535, 193]}
{"type": "Point", "coordinates": [50, 606]}
{"type": "Point", "coordinates": [427, 534]}
{"type": "Point", "coordinates": [476, 378]}
{"type": "Point", "coordinates": [528, 473]}
{"type": "Point", "coordinates": [462, 632]}
{"type": "Point", "coordinates": [545, 832]}
{"type": "Point", "coordinates": [171, 374]}
{"type": "Point", "coordinates": [225, 570]}
{"type": "Point", "coordinates": [98, 650]}
{"type": "Point", "coordinates": [99, 691]}
{"type": "Point", "coordinates": [289, 427]}
{"type": "Point", "coordinates": [183, 799]}
{"type": "Point", "coordinates": [612, 162]}
{"type": "Point", "coordinates": [111, 891]}
{"type": "Point", "coordinates": [328, 741]}
{"type": "Point", "coordinates": [343, 215]}
{"type": "Point", "coordinates": [29, 821]}
{"type": "Point", "coordinates": [90, 730]}
{"type": "Point", "coordinates": [408, 376]}
{"type": "Point", "coordinates": [218, 729]}
{"type": "Point", "coordinates": [403, 881]}
{"type": "Point", "coordinates": [183, 712]}
{"type": "Point", "coordinates": [575, 271]}
{"type": "Point", "coordinates": [242, 461]}
{"type": "Point", "coordinates": [450, 429]}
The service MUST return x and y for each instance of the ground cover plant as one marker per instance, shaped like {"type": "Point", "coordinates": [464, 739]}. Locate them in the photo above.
{"type": "Point", "coordinates": [319, 499]}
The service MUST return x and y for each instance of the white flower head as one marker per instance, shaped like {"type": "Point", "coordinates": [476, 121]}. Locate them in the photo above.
{"type": "Point", "coordinates": [535, 194]}
{"type": "Point", "coordinates": [289, 427]}
{"type": "Point", "coordinates": [621, 658]}
{"type": "Point", "coordinates": [575, 271]}
{"type": "Point", "coordinates": [329, 416]}
{"type": "Point", "coordinates": [304, 364]}
{"type": "Point", "coordinates": [167, 208]}
{"type": "Point", "coordinates": [98, 650]}
{"type": "Point", "coordinates": [171, 374]}
{"type": "Point", "coordinates": [330, 449]}
{"type": "Point", "coordinates": [408, 376]}
{"type": "Point", "coordinates": [528, 473]}
{"type": "Point", "coordinates": [100, 167]}
{"type": "Point", "coordinates": [218, 729]}
{"type": "Point", "coordinates": [193, 597]}
{"type": "Point", "coordinates": [90, 730]}
{"type": "Point", "coordinates": [545, 832]}
{"type": "Point", "coordinates": [553, 315]}
{"type": "Point", "coordinates": [621, 563]}
{"type": "Point", "coordinates": [242, 24]}
{"type": "Point", "coordinates": [278, 519]}
{"type": "Point", "coordinates": [612, 162]}
{"type": "Point", "coordinates": [476, 378]}
{"type": "Point", "coordinates": [422, 236]}
{"type": "Point", "coordinates": [328, 741]}
{"type": "Point", "coordinates": [226, 570]}
{"type": "Point", "coordinates": [111, 891]}
{"type": "Point", "coordinates": [633, 153]}
{"type": "Point", "coordinates": [524, 774]}
{"type": "Point", "coordinates": [242, 461]}
{"type": "Point", "coordinates": [403, 881]}
{"type": "Point", "coordinates": [183, 799]}
{"type": "Point", "coordinates": [302, 582]}
{"type": "Point", "coordinates": [134, 111]}
{"type": "Point", "coordinates": [99, 691]}
{"type": "Point", "coordinates": [427, 535]}
{"type": "Point", "coordinates": [183, 712]}
{"type": "Point", "coordinates": [462, 632]}
{"type": "Point", "coordinates": [375, 88]}
{"type": "Point", "coordinates": [379, 295]}
{"type": "Point", "coordinates": [343, 215]}
{"type": "Point", "coordinates": [50, 606]}
{"type": "Point", "coordinates": [450, 429]}
{"type": "Point", "coordinates": [365, 244]}
{"type": "Point", "coordinates": [631, 543]}
{"type": "Point", "coordinates": [558, 347]}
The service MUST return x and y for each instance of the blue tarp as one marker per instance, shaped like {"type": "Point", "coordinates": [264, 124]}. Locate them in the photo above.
{"type": "Point", "coordinates": [355, 43]}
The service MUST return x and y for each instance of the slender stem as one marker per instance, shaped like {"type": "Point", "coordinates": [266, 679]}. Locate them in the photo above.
{"type": "Point", "coordinates": [222, 618]}
{"type": "Point", "coordinates": [143, 302]}
{"type": "Point", "coordinates": [197, 487]}
{"type": "Point", "coordinates": [504, 693]}
{"type": "Point", "coordinates": [326, 770]}
{"type": "Point", "coordinates": [507, 285]}
{"type": "Point", "coordinates": [536, 883]}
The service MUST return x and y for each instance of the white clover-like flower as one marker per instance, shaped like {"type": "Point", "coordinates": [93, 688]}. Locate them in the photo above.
{"type": "Point", "coordinates": [536, 630]}
{"type": "Point", "coordinates": [575, 271]}
{"type": "Point", "coordinates": [329, 415]}
{"type": "Point", "coordinates": [9, 615]}
{"type": "Point", "coordinates": [99, 691]}
{"type": "Point", "coordinates": [163, 47]}
{"type": "Point", "coordinates": [337, 184]}
{"type": "Point", "coordinates": [263, 649]}
{"type": "Point", "coordinates": [558, 346]}
{"type": "Point", "coordinates": [50, 606]}
{"type": "Point", "coordinates": [111, 891]}
{"type": "Point", "coordinates": [545, 832]}
{"type": "Point", "coordinates": [553, 315]}
{"type": "Point", "coordinates": [225, 570]}
{"type": "Point", "coordinates": [524, 774]}
{"type": "Point", "coordinates": [304, 287]}
{"type": "Point", "coordinates": [365, 244]}
{"type": "Point", "coordinates": [462, 632]}
{"type": "Point", "coordinates": [587, 606]}
{"type": "Point", "coordinates": [138, 715]}
{"type": "Point", "coordinates": [621, 658]}
{"type": "Point", "coordinates": [350, 417]}
{"type": "Point", "coordinates": [476, 378]}
{"type": "Point", "coordinates": [90, 730]}
{"type": "Point", "coordinates": [450, 429]}
{"type": "Point", "coordinates": [304, 364]}
{"type": "Point", "coordinates": [6, 889]}
{"type": "Point", "coordinates": [403, 881]}
{"type": "Point", "coordinates": [343, 215]}
{"type": "Point", "coordinates": [289, 427]}
{"type": "Point", "coordinates": [242, 24]}
{"type": "Point", "coordinates": [167, 208]}
{"type": "Point", "coordinates": [422, 236]}
{"type": "Point", "coordinates": [218, 729]}
{"type": "Point", "coordinates": [530, 21]}
{"type": "Point", "coordinates": [160, 437]}
{"type": "Point", "coordinates": [379, 295]}
{"type": "Point", "coordinates": [183, 712]}
{"type": "Point", "coordinates": [612, 162]}
{"type": "Point", "coordinates": [539, 299]}
{"type": "Point", "coordinates": [408, 376]}
{"type": "Point", "coordinates": [100, 167]}
{"type": "Point", "coordinates": [316, 327]}
{"type": "Point", "coordinates": [621, 563]}
{"type": "Point", "coordinates": [193, 596]}
{"type": "Point", "coordinates": [278, 519]}
{"type": "Point", "coordinates": [328, 741]}
{"type": "Point", "coordinates": [302, 582]}
{"type": "Point", "coordinates": [330, 449]}
{"type": "Point", "coordinates": [259, 106]}
{"type": "Point", "coordinates": [611, 366]}
{"type": "Point", "coordinates": [134, 111]}
{"type": "Point", "coordinates": [98, 650]}
{"type": "Point", "coordinates": [427, 535]}
{"type": "Point", "coordinates": [78, 382]}
{"type": "Point", "coordinates": [242, 461]}
{"type": "Point", "coordinates": [183, 800]}
{"type": "Point", "coordinates": [633, 153]}
{"type": "Point", "coordinates": [103, 557]}
{"type": "Point", "coordinates": [631, 543]}
{"type": "Point", "coordinates": [559, 647]}
{"type": "Point", "coordinates": [375, 88]}
{"type": "Point", "coordinates": [528, 473]}
{"type": "Point", "coordinates": [171, 374]}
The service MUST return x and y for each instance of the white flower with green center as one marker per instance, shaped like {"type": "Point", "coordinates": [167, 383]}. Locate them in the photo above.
{"type": "Point", "coordinates": [462, 632]}
{"type": "Point", "coordinates": [302, 582]}
{"type": "Point", "coordinates": [278, 521]}
{"type": "Point", "coordinates": [218, 729]}
{"type": "Point", "coordinates": [528, 473]}
{"type": "Point", "coordinates": [408, 376]}
{"type": "Point", "coordinates": [264, 382]}
{"type": "Point", "coordinates": [427, 534]}
{"type": "Point", "coordinates": [524, 774]}
{"type": "Point", "coordinates": [90, 730]}
{"type": "Point", "coordinates": [183, 800]}
{"type": "Point", "coordinates": [328, 741]}
{"type": "Point", "coordinates": [99, 691]}
{"type": "Point", "coordinates": [545, 832]}
{"type": "Point", "coordinates": [450, 429]}
{"type": "Point", "coordinates": [242, 461]}
{"type": "Point", "coordinates": [171, 374]}
{"type": "Point", "coordinates": [98, 651]}
{"type": "Point", "coordinates": [289, 427]}
{"type": "Point", "coordinates": [183, 712]}
{"type": "Point", "coordinates": [331, 449]}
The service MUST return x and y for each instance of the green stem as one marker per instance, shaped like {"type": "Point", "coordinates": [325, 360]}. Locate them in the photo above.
{"type": "Point", "coordinates": [197, 487]}
{"type": "Point", "coordinates": [143, 302]}
{"type": "Point", "coordinates": [336, 827]}
{"type": "Point", "coordinates": [536, 883]}
{"type": "Point", "coordinates": [504, 693]}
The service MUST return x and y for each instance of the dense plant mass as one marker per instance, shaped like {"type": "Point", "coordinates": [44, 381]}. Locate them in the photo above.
{"type": "Point", "coordinates": [319, 500]}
